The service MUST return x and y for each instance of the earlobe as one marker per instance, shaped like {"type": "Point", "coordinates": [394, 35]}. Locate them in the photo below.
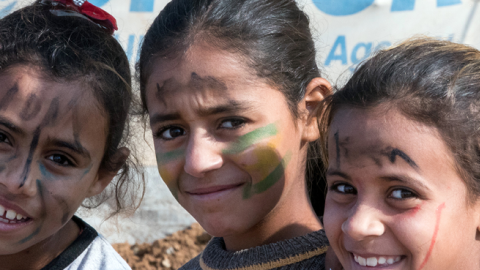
{"type": "Point", "coordinates": [105, 176]}
{"type": "Point", "coordinates": [317, 90]}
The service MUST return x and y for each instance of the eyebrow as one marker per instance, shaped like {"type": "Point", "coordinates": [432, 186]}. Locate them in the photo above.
{"type": "Point", "coordinates": [6, 123]}
{"type": "Point", "coordinates": [334, 172]}
{"type": "Point", "coordinates": [230, 107]}
{"type": "Point", "coordinates": [74, 146]}
{"type": "Point", "coordinates": [404, 179]}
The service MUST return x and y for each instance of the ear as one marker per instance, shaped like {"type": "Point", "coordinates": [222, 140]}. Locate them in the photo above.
{"type": "Point", "coordinates": [104, 176]}
{"type": "Point", "coordinates": [317, 90]}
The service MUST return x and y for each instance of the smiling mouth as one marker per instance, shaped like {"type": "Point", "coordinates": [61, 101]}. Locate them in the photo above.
{"type": "Point", "coordinates": [378, 261]}
{"type": "Point", "coordinates": [10, 216]}
{"type": "Point", "coordinates": [213, 190]}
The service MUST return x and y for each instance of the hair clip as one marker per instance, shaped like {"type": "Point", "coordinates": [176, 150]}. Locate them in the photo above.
{"type": "Point", "coordinates": [84, 9]}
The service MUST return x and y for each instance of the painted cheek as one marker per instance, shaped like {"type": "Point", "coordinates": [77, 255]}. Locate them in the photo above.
{"type": "Point", "coordinates": [413, 212]}
{"type": "Point", "coordinates": [264, 164]}
{"type": "Point", "coordinates": [43, 214]}
{"type": "Point", "coordinates": [166, 163]}
{"type": "Point", "coordinates": [434, 237]}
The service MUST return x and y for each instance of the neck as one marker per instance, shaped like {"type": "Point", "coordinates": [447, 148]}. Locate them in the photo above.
{"type": "Point", "coordinates": [292, 217]}
{"type": "Point", "coordinates": [42, 253]}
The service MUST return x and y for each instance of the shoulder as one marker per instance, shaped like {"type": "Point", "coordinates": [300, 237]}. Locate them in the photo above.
{"type": "Point", "coordinates": [99, 255]}
{"type": "Point", "coordinates": [302, 252]}
{"type": "Point", "coordinates": [89, 251]}
{"type": "Point", "coordinates": [193, 264]}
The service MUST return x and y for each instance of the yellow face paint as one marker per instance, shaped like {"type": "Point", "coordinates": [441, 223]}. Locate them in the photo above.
{"type": "Point", "coordinates": [267, 164]}
{"type": "Point", "coordinates": [264, 160]}
{"type": "Point", "coordinates": [163, 160]}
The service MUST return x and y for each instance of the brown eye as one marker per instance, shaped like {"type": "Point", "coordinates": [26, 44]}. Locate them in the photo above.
{"type": "Point", "coordinates": [60, 160]}
{"type": "Point", "coordinates": [4, 139]}
{"type": "Point", "coordinates": [401, 194]}
{"type": "Point", "coordinates": [172, 133]}
{"type": "Point", "coordinates": [345, 189]}
{"type": "Point", "coordinates": [232, 123]}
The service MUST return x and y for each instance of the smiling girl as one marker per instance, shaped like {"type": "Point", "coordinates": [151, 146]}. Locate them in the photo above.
{"type": "Point", "coordinates": [403, 139]}
{"type": "Point", "coordinates": [231, 88]}
{"type": "Point", "coordinates": [64, 100]}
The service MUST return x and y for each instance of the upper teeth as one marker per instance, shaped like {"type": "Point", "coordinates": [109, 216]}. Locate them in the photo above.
{"type": "Point", "coordinates": [373, 261]}
{"type": "Point", "coordinates": [11, 214]}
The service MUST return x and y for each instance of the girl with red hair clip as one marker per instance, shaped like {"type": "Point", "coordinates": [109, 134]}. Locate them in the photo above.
{"type": "Point", "coordinates": [65, 95]}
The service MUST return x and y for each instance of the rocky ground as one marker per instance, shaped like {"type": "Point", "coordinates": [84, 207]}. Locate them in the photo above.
{"type": "Point", "coordinates": [168, 253]}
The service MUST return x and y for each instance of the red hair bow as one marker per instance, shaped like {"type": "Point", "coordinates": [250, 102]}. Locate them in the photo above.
{"type": "Point", "coordinates": [94, 13]}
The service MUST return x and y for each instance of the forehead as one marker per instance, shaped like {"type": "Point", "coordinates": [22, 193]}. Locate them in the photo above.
{"type": "Point", "coordinates": [380, 136]}
{"type": "Point", "coordinates": [28, 99]}
{"type": "Point", "coordinates": [205, 71]}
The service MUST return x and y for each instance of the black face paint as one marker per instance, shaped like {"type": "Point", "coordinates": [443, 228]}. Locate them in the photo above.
{"type": "Point", "coordinates": [208, 82]}
{"type": "Point", "coordinates": [8, 97]}
{"type": "Point", "coordinates": [77, 127]}
{"type": "Point", "coordinates": [52, 114]}
{"type": "Point", "coordinates": [392, 155]}
{"type": "Point", "coordinates": [49, 119]}
{"type": "Point", "coordinates": [337, 148]}
{"type": "Point", "coordinates": [31, 108]}
{"type": "Point", "coordinates": [159, 95]}
{"type": "Point", "coordinates": [42, 215]}
{"type": "Point", "coordinates": [65, 208]}
{"type": "Point", "coordinates": [28, 163]}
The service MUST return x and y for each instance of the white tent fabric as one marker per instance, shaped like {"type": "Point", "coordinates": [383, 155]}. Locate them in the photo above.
{"type": "Point", "coordinates": [347, 31]}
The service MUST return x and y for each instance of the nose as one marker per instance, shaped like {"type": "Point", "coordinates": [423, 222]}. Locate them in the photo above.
{"type": "Point", "coordinates": [363, 222]}
{"type": "Point", "coordinates": [203, 155]}
{"type": "Point", "coordinates": [19, 180]}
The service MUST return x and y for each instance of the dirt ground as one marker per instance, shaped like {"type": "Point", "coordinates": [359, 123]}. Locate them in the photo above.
{"type": "Point", "coordinates": [168, 253]}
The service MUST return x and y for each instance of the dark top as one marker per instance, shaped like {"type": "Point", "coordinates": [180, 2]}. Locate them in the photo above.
{"type": "Point", "coordinates": [86, 237]}
{"type": "Point", "coordinates": [303, 252]}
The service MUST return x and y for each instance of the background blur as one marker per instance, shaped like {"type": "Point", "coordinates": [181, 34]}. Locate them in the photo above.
{"type": "Point", "coordinates": [346, 31]}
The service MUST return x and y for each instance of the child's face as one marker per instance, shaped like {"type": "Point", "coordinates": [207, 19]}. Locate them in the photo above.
{"type": "Point", "coordinates": [395, 199]}
{"type": "Point", "coordinates": [52, 136]}
{"type": "Point", "coordinates": [226, 143]}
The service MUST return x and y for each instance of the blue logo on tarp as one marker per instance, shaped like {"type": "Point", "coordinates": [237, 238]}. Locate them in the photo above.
{"type": "Point", "coordinates": [99, 3]}
{"type": "Point", "coordinates": [6, 10]}
{"type": "Point", "coordinates": [142, 5]}
{"type": "Point", "coordinates": [135, 5]}
{"type": "Point", "coordinates": [342, 7]}
{"type": "Point", "coordinates": [350, 7]}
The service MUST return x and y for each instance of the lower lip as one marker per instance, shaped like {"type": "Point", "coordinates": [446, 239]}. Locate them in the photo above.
{"type": "Point", "coordinates": [379, 266]}
{"type": "Point", "coordinates": [11, 227]}
{"type": "Point", "coordinates": [215, 195]}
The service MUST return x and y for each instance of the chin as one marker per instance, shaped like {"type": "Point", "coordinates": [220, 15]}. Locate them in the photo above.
{"type": "Point", "coordinates": [220, 226]}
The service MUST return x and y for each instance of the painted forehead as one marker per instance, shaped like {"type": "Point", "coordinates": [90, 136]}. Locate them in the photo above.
{"type": "Point", "coordinates": [206, 86]}
{"type": "Point", "coordinates": [348, 148]}
{"type": "Point", "coordinates": [31, 105]}
{"type": "Point", "coordinates": [356, 135]}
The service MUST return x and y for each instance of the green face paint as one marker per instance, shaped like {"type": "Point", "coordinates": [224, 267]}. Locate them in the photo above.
{"type": "Point", "coordinates": [163, 158]}
{"type": "Point", "coordinates": [268, 181]}
{"type": "Point", "coordinates": [250, 138]}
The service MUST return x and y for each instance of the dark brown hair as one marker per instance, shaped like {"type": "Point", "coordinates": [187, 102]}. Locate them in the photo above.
{"type": "Point", "coordinates": [71, 48]}
{"type": "Point", "coordinates": [434, 82]}
{"type": "Point", "coordinates": [272, 37]}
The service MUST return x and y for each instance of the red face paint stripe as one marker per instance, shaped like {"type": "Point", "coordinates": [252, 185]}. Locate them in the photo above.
{"type": "Point", "coordinates": [434, 237]}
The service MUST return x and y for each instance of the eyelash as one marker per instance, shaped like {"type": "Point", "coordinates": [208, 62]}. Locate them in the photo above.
{"type": "Point", "coordinates": [413, 194]}
{"type": "Point", "coordinates": [241, 120]}
{"type": "Point", "coordinates": [70, 163]}
{"type": "Point", "coordinates": [158, 134]}
{"type": "Point", "coordinates": [335, 187]}
{"type": "Point", "coordinates": [9, 141]}
{"type": "Point", "coordinates": [162, 130]}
